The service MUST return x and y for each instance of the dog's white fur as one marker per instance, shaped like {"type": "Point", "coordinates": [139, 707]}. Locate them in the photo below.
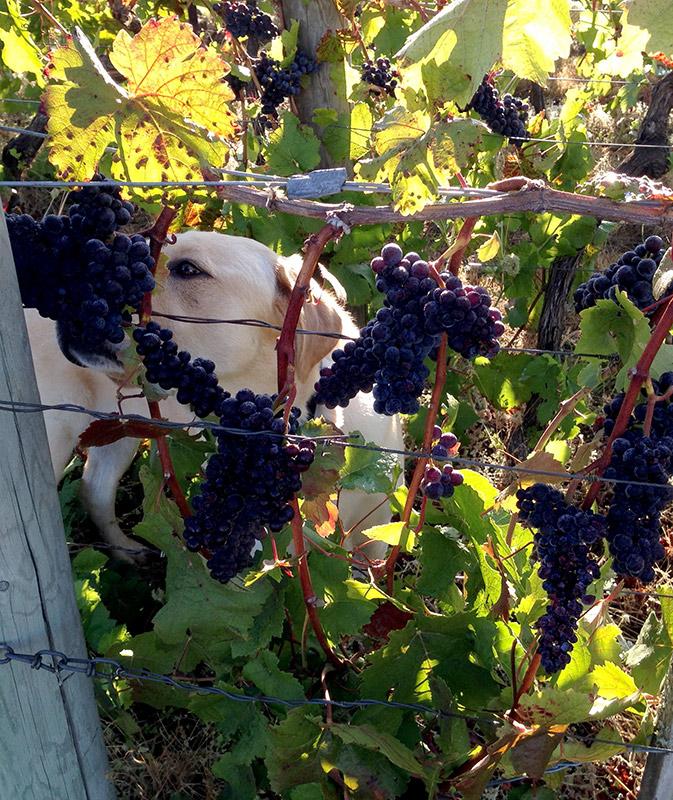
{"type": "Point", "coordinates": [237, 278]}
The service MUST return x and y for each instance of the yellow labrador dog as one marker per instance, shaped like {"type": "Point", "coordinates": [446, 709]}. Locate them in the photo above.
{"type": "Point", "coordinates": [210, 275]}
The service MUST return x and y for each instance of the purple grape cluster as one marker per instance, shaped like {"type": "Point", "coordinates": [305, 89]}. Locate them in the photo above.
{"type": "Point", "coordinates": [170, 368]}
{"type": "Point", "coordinates": [634, 511]}
{"type": "Point", "coordinates": [464, 313]}
{"type": "Point", "coordinates": [390, 352]}
{"type": "Point", "coordinates": [75, 270]}
{"type": "Point", "coordinates": [507, 116]}
{"type": "Point", "coordinates": [378, 73]}
{"type": "Point", "coordinates": [98, 210]}
{"type": "Point", "coordinates": [279, 83]}
{"type": "Point", "coordinates": [631, 273]}
{"type": "Point", "coordinates": [245, 19]}
{"type": "Point", "coordinates": [441, 481]}
{"type": "Point", "coordinates": [250, 481]}
{"type": "Point", "coordinates": [563, 535]}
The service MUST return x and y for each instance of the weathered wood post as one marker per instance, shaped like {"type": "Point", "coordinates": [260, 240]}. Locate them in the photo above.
{"type": "Point", "coordinates": [51, 743]}
{"type": "Point", "coordinates": [315, 19]}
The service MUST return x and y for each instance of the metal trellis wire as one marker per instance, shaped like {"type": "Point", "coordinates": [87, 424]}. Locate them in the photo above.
{"type": "Point", "coordinates": [343, 440]}
{"type": "Point", "coordinates": [112, 670]}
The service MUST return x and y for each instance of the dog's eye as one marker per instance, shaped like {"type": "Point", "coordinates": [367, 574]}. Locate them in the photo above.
{"type": "Point", "coordinates": [185, 269]}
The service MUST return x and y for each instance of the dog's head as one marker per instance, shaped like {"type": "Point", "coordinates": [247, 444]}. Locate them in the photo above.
{"type": "Point", "coordinates": [212, 275]}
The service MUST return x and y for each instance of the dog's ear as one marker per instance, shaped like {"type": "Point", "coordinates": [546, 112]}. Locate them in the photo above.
{"type": "Point", "coordinates": [103, 357]}
{"type": "Point", "coordinates": [321, 312]}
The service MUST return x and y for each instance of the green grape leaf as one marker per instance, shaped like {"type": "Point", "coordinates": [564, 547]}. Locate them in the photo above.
{"type": "Point", "coordinates": [394, 533]}
{"type": "Point", "coordinates": [611, 681]}
{"type": "Point", "coordinates": [171, 120]}
{"type": "Point", "coordinates": [416, 162]}
{"type": "Point", "coordinates": [294, 751]}
{"type": "Point", "coordinates": [450, 36]}
{"type": "Point", "coordinates": [499, 379]}
{"type": "Point", "coordinates": [608, 327]}
{"type": "Point", "coordinates": [525, 37]}
{"type": "Point", "coordinates": [293, 147]}
{"type": "Point", "coordinates": [19, 51]}
{"type": "Point", "coordinates": [649, 657]}
{"type": "Point", "coordinates": [551, 706]}
{"type": "Point", "coordinates": [368, 470]}
{"type": "Point", "coordinates": [380, 742]}
{"type": "Point", "coordinates": [263, 671]}
{"type": "Point", "coordinates": [240, 778]}
{"type": "Point", "coordinates": [443, 556]}
{"type": "Point", "coordinates": [584, 752]}
{"type": "Point", "coordinates": [534, 36]}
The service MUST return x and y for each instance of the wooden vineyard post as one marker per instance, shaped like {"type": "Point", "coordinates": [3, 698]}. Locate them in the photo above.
{"type": "Point", "coordinates": [51, 743]}
{"type": "Point", "coordinates": [316, 19]}
{"type": "Point", "coordinates": [657, 783]}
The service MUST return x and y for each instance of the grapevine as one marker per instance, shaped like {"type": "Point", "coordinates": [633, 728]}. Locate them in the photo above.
{"type": "Point", "coordinates": [631, 273]}
{"type": "Point", "coordinates": [76, 270]}
{"type": "Point", "coordinates": [480, 598]}
{"type": "Point", "coordinates": [378, 73]}
{"type": "Point", "coordinates": [507, 115]}
{"type": "Point", "coordinates": [278, 83]}
{"type": "Point", "coordinates": [388, 356]}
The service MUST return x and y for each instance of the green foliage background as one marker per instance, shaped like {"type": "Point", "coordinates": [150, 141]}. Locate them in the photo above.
{"type": "Point", "coordinates": [462, 611]}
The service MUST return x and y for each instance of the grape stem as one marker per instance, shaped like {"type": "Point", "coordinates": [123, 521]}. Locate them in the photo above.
{"type": "Point", "coordinates": [157, 235]}
{"type": "Point", "coordinates": [285, 351]}
{"type": "Point", "coordinates": [433, 410]}
{"type": "Point", "coordinates": [639, 374]}
{"type": "Point", "coordinates": [167, 465]}
{"type": "Point", "coordinates": [565, 408]}
{"type": "Point", "coordinates": [310, 599]}
{"type": "Point", "coordinates": [652, 400]}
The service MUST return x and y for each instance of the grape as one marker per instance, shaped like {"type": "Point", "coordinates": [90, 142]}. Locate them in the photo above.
{"type": "Point", "coordinates": [438, 482]}
{"type": "Point", "coordinates": [352, 371]}
{"type": "Point", "coordinates": [464, 313]}
{"type": "Point", "coordinates": [279, 82]}
{"type": "Point", "coordinates": [633, 518]}
{"type": "Point", "coordinates": [562, 536]}
{"type": "Point", "coordinates": [378, 73]}
{"type": "Point", "coordinates": [631, 273]}
{"type": "Point", "coordinates": [390, 352]}
{"type": "Point", "coordinates": [634, 511]}
{"type": "Point", "coordinates": [98, 210]}
{"type": "Point", "coordinates": [85, 284]}
{"type": "Point", "coordinates": [171, 368]}
{"type": "Point", "coordinates": [245, 19]}
{"type": "Point", "coordinates": [250, 481]}
{"type": "Point", "coordinates": [507, 116]}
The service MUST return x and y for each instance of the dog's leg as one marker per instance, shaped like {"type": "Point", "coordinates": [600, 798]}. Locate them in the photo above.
{"type": "Point", "coordinates": [103, 470]}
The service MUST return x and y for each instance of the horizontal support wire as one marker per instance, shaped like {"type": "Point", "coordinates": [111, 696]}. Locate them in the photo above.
{"type": "Point", "coordinates": [340, 440]}
{"type": "Point", "coordinates": [259, 323]}
{"type": "Point", "coordinates": [96, 668]}
{"type": "Point", "coordinates": [363, 131]}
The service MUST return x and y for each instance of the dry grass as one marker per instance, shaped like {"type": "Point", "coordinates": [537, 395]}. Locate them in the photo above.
{"type": "Point", "coordinates": [170, 757]}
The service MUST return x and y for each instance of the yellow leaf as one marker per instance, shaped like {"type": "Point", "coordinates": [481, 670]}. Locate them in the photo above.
{"type": "Point", "coordinates": [393, 533]}
{"type": "Point", "coordinates": [167, 63]}
{"type": "Point", "coordinates": [540, 463]}
{"type": "Point", "coordinates": [490, 248]}
{"type": "Point", "coordinates": [168, 125]}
